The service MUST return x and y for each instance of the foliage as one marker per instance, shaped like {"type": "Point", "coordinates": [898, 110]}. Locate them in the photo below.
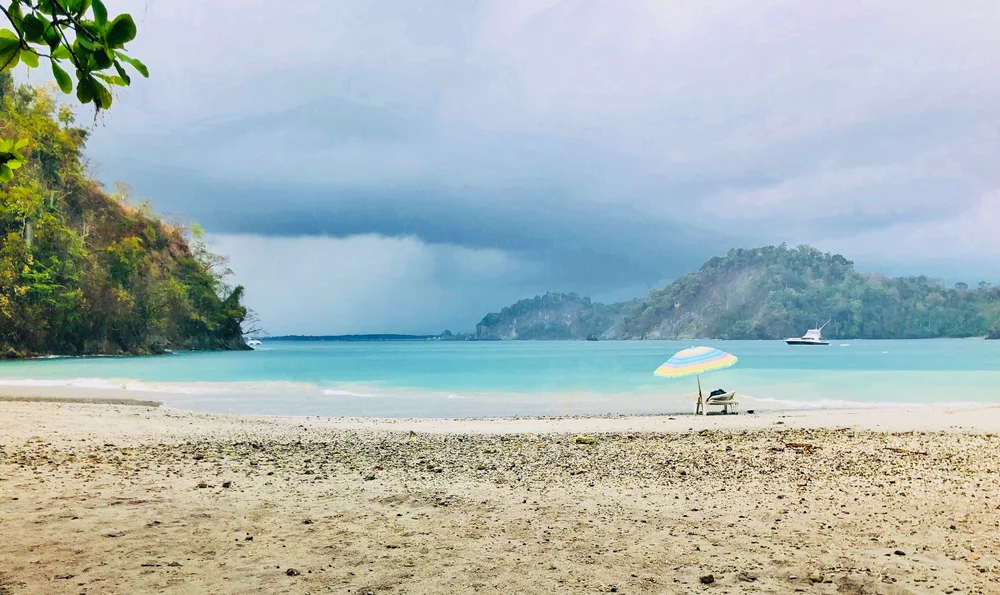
{"type": "Point", "coordinates": [82, 272]}
{"type": "Point", "coordinates": [550, 316]}
{"type": "Point", "coordinates": [77, 33]}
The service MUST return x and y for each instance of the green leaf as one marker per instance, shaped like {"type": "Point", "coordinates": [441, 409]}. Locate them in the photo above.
{"type": "Point", "coordinates": [33, 28]}
{"type": "Point", "coordinates": [6, 174]}
{"type": "Point", "coordinates": [100, 13]}
{"type": "Point", "coordinates": [73, 6]}
{"type": "Point", "coordinates": [61, 53]}
{"type": "Point", "coordinates": [52, 35]}
{"type": "Point", "coordinates": [16, 16]}
{"type": "Point", "coordinates": [85, 89]}
{"type": "Point", "coordinates": [29, 58]}
{"type": "Point", "coordinates": [135, 63]}
{"type": "Point", "coordinates": [121, 31]}
{"type": "Point", "coordinates": [104, 59]}
{"type": "Point", "coordinates": [62, 78]}
{"type": "Point", "coordinates": [10, 50]}
{"type": "Point", "coordinates": [21, 144]}
{"type": "Point", "coordinates": [102, 97]}
{"type": "Point", "coordinates": [124, 75]}
{"type": "Point", "coordinates": [84, 42]}
{"type": "Point", "coordinates": [111, 80]}
{"type": "Point", "coordinates": [14, 163]}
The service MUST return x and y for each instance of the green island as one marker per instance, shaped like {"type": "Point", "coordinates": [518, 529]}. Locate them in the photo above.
{"type": "Point", "coordinates": [772, 292]}
{"type": "Point", "coordinates": [84, 272]}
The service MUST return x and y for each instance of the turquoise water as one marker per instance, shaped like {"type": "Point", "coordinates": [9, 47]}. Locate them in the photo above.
{"type": "Point", "coordinates": [451, 379]}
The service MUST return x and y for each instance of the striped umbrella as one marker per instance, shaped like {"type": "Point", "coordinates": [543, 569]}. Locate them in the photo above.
{"type": "Point", "coordinates": [694, 362]}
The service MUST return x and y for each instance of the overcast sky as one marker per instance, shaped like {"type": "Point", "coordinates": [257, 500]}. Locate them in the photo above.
{"type": "Point", "coordinates": [381, 166]}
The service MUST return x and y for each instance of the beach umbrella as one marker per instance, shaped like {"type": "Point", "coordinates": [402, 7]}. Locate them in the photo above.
{"type": "Point", "coordinates": [695, 362]}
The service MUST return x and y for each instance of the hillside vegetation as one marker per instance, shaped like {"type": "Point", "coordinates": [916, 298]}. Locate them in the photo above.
{"type": "Point", "coordinates": [82, 272]}
{"type": "Point", "coordinates": [550, 316]}
{"type": "Point", "coordinates": [769, 293]}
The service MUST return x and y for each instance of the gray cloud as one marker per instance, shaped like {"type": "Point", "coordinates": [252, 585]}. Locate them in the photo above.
{"type": "Point", "coordinates": [605, 146]}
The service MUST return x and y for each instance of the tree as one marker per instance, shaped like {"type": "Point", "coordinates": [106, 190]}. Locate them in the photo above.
{"type": "Point", "coordinates": [961, 286]}
{"type": "Point", "coordinates": [75, 34]}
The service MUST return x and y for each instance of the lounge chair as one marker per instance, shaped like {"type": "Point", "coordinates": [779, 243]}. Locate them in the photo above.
{"type": "Point", "coordinates": [718, 398]}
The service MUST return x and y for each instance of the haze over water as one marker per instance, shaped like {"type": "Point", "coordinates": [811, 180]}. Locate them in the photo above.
{"type": "Point", "coordinates": [458, 379]}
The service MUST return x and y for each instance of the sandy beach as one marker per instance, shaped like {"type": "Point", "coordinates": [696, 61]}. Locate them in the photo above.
{"type": "Point", "coordinates": [115, 498]}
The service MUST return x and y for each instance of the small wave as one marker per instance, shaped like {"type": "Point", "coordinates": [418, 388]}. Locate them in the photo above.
{"type": "Point", "coordinates": [335, 392]}
{"type": "Point", "coordinates": [843, 404]}
{"type": "Point", "coordinates": [125, 384]}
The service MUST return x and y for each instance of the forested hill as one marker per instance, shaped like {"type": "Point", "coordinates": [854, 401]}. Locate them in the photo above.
{"type": "Point", "coordinates": [82, 272]}
{"type": "Point", "coordinates": [773, 293]}
{"type": "Point", "coordinates": [551, 316]}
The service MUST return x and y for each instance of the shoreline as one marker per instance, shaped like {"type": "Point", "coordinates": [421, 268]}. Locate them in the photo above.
{"type": "Point", "coordinates": [972, 418]}
{"type": "Point", "coordinates": [79, 400]}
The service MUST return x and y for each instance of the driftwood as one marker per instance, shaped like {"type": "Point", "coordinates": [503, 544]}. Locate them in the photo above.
{"type": "Point", "coordinates": [906, 452]}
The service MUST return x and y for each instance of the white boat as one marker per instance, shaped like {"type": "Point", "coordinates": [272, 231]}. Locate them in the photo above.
{"type": "Point", "coordinates": [813, 336]}
{"type": "Point", "coordinates": [253, 342]}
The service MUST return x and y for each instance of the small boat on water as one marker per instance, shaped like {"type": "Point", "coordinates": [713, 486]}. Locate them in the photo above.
{"type": "Point", "coordinates": [813, 336]}
{"type": "Point", "coordinates": [253, 342]}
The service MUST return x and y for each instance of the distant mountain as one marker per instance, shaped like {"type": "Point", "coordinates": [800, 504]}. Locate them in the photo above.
{"type": "Point", "coordinates": [763, 293]}
{"type": "Point", "coordinates": [550, 316]}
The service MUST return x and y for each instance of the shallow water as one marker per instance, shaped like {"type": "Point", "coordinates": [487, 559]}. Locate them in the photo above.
{"type": "Point", "coordinates": [451, 379]}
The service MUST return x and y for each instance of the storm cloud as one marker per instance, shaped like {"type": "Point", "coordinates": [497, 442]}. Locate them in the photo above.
{"type": "Point", "coordinates": [595, 146]}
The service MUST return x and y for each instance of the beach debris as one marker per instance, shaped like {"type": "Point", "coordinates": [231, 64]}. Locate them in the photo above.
{"type": "Point", "coordinates": [369, 476]}
{"type": "Point", "coordinates": [307, 522]}
{"type": "Point", "coordinates": [800, 446]}
{"type": "Point", "coordinates": [707, 579]}
{"type": "Point", "coordinates": [64, 577]}
{"type": "Point", "coordinates": [292, 572]}
{"type": "Point", "coordinates": [778, 423]}
{"type": "Point", "coordinates": [746, 577]}
{"type": "Point", "coordinates": [906, 452]}
{"type": "Point", "coordinates": [819, 577]}
{"type": "Point", "coordinates": [899, 553]}
{"type": "Point", "coordinates": [582, 439]}
{"type": "Point", "coordinates": [174, 564]}
{"type": "Point", "coordinates": [227, 484]}
{"type": "Point", "coordinates": [202, 485]}
{"type": "Point", "coordinates": [412, 437]}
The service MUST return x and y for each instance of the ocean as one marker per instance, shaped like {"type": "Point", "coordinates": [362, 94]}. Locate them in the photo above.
{"type": "Point", "coordinates": [493, 379]}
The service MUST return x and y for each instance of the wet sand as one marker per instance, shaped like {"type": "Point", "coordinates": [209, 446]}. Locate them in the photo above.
{"type": "Point", "coordinates": [129, 499]}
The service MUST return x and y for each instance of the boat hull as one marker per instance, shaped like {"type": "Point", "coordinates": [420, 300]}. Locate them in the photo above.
{"type": "Point", "coordinates": [801, 342]}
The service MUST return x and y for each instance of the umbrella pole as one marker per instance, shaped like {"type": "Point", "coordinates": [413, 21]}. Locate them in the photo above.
{"type": "Point", "coordinates": [701, 404]}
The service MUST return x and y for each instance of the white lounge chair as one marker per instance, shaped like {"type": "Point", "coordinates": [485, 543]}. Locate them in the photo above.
{"type": "Point", "coordinates": [725, 401]}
